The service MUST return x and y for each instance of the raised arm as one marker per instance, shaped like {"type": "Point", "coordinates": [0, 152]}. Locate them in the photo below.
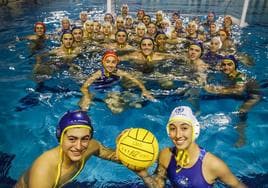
{"type": "Point", "coordinates": [158, 179]}
{"type": "Point", "coordinates": [86, 98]}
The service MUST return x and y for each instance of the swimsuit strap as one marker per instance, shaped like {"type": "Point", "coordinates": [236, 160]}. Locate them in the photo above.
{"type": "Point", "coordinates": [59, 170]}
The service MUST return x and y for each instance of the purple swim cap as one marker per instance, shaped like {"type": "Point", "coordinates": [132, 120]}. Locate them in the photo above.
{"type": "Point", "coordinates": [72, 118]}
{"type": "Point", "coordinates": [231, 58]}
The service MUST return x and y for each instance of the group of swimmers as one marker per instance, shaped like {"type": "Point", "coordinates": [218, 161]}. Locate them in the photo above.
{"type": "Point", "coordinates": [147, 44]}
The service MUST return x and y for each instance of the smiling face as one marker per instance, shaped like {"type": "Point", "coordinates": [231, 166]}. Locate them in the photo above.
{"type": "Point", "coordinates": [110, 63]}
{"type": "Point", "coordinates": [192, 28]}
{"type": "Point", "coordinates": [181, 134]}
{"type": "Point", "coordinates": [147, 46]}
{"type": "Point", "coordinates": [75, 143]}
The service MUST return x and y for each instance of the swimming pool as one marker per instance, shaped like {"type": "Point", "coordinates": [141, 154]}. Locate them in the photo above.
{"type": "Point", "coordinates": [29, 117]}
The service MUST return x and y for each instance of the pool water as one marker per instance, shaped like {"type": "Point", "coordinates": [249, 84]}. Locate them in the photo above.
{"type": "Point", "coordinates": [29, 113]}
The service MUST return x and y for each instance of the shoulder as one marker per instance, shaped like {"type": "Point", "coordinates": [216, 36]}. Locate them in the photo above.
{"type": "Point", "coordinates": [48, 159]}
{"type": "Point", "coordinates": [45, 167]}
{"type": "Point", "coordinates": [214, 165]}
{"type": "Point", "coordinates": [165, 156]}
{"type": "Point", "coordinates": [32, 37]}
{"type": "Point", "coordinates": [212, 161]}
{"type": "Point", "coordinates": [93, 147]}
{"type": "Point", "coordinates": [95, 75]}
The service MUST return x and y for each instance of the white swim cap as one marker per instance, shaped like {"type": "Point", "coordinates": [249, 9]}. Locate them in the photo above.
{"type": "Point", "coordinates": [184, 114]}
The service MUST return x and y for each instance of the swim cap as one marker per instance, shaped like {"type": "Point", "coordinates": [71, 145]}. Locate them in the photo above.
{"type": "Point", "coordinates": [231, 58]}
{"type": "Point", "coordinates": [109, 53]}
{"type": "Point", "coordinates": [39, 23]}
{"type": "Point", "coordinates": [184, 114]}
{"type": "Point", "coordinates": [199, 44]}
{"type": "Point", "coordinates": [73, 119]}
{"type": "Point", "coordinates": [65, 32]}
{"type": "Point", "coordinates": [149, 38]}
{"type": "Point", "coordinates": [121, 30]}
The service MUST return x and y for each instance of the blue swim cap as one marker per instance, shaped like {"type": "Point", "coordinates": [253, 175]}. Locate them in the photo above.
{"type": "Point", "coordinates": [199, 44]}
{"type": "Point", "coordinates": [231, 58]}
{"type": "Point", "coordinates": [73, 118]}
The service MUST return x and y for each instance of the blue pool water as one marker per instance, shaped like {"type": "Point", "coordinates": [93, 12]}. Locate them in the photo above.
{"type": "Point", "coordinates": [29, 116]}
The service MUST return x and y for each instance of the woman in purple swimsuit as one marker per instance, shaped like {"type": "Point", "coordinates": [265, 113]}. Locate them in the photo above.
{"type": "Point", "coordinates": [186, 164]}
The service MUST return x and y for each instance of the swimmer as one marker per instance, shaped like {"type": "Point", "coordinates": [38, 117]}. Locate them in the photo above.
{"type": "Point", "coordinates": [241, 85]}
{"type": "Point", "coordinates": [186, 164]}
{"type": "Point", "coordinates": [192, 31]}
{"type": "Point", "coordinates": [65, 26]}
{"type": "Point", "coordinates": [120, 45]}
{"type": "Point", "coordinates": [124, 10]}
{"type": "Point", "coordinates": [65, 55]}
{"type": "Point", "coordinates": [211, 18]}
{"type": "Point", "coordinates": [146, 20]}
{"type": "Point", "coordinates": [212, 56]}
{"type": "Point", "coordinates": [147, 55]}
{"type": "Point", "coordinates": [88, 30]}
{"type": "Point", "coordinates": [139, 16]}
{"type": "Point", "coordinates": [228, 46]}
{"type": "Point", "coordinates": [138, 35]}
{"type": "Point", "coordinates": [179, 28]}
{"type": "Point", "coordinates": [108, 17]}
{"type": "Point", "coordinates": [159, 16]}
{"type": "Point", "coordinates": [38, 38]}
{"type": "Point", "coordinates": [107, 75]}
{"type": "Point", "coordinates": [83, 17]}
{"type": "Point", "coordinates": [77, 33]}
{"type": "Point", "coordinates": [107, 30]}
{"type": "Point", "coordinates": [61, 164]}
{"type": "Point", "coordinates": [151, 30]}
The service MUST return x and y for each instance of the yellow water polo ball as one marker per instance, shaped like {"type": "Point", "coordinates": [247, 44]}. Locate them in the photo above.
{"type": "Point", "coordinates": [137, 148]}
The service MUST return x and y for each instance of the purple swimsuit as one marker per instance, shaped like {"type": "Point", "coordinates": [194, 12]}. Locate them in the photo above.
{"type": "Point", "coordinates": [187, 177]}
